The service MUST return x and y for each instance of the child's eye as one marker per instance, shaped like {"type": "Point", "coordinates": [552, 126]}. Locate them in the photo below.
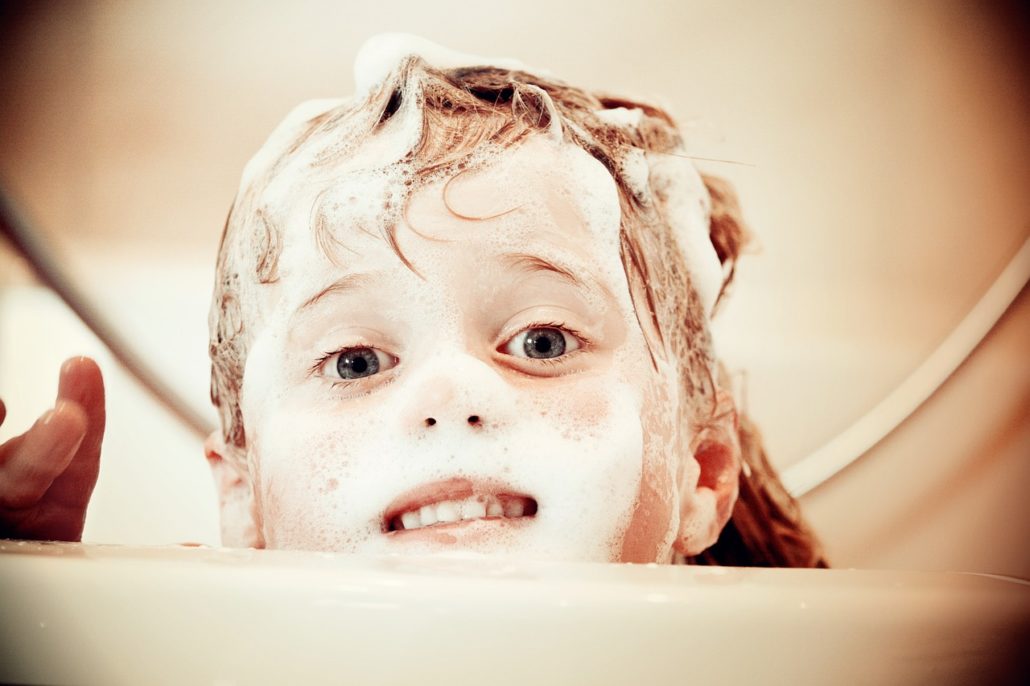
{"type": "Point", "coordinates": [357, 363]}
{"type": "Point", "coordinates": [542, 343]}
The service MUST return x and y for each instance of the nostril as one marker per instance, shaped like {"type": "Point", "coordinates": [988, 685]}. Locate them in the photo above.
{"type": "Point", "coordinates": [430, 421]}
{"type": "Point", "coordinates": [474, 419]}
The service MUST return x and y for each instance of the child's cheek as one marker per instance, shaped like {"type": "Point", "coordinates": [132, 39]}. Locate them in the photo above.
{"type": "Point", "coordinates": [587, 413]}
{"type": "Point", "coordinates": [305, 459]}
{"type": "Point", "coordinates": [654, 523]}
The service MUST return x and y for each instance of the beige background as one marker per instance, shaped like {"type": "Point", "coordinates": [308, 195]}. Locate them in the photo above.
{"type": "Point", "coordinates": [880, 150]}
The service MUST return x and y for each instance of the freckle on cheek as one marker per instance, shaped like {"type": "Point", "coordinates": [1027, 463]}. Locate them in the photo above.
{"type": "Point", "coordinates": [332, 484]}
{"type": "Point", "coordinates": [589, 409]}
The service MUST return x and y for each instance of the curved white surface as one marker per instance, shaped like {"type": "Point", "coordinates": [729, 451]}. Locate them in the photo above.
{"type": "Point", "coordinates": [84, 614]}
{"type": "Point", "coordinates": [858, 439]}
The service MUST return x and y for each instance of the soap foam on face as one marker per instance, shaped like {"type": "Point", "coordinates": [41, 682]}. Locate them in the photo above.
{"type": "Point", "coordinates": [584, 474]}
{"type": "Point", "coordinates": [546, 456]}
{"type": "Point", "coordinates": [586, 498]}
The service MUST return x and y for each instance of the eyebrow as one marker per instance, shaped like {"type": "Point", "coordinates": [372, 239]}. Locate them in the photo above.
{"type": "Point", "coordinates": [534, 263]}
{"type": "Point", "coordinates": [347, 283]}
{"type": "Point", "coordinates": [530, 264]}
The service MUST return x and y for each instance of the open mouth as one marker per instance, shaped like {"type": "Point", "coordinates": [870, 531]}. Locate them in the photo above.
{"type": "Point", "coordinates": [454, 501]}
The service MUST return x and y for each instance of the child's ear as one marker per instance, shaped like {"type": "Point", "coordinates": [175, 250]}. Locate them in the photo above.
{"type": "Point", "coordinates": [240, 527]}
{"type": "Point", "coordinates": [709, 487]}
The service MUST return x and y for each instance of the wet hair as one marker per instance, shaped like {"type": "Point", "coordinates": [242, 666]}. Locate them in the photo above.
{"type": "Point", "coordinates": [461, 113]}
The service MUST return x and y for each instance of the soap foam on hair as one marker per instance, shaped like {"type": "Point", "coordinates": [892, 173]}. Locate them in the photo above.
{"type": "Point", "coordinates": [381, 54]}
{"type": "Point", "coordinates": [379, 59]}
{"type": "Point", "coordinates": [687, 209]}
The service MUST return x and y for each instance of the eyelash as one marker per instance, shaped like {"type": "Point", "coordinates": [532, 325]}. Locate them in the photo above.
{"type": "Point", "coordinates": [584, 344]}
{"type": "Point", "coordinates": [355, 384]}
{"type": "Point", "coordinates": [354, 387]}
{"type": "Point", "coordinates": [333, 353]}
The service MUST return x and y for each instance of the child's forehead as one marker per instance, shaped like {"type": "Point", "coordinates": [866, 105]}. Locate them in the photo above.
{"type": "Point", "coordinates": [539, 187]}
{"type": "Point", "coordinates": [538, 194]}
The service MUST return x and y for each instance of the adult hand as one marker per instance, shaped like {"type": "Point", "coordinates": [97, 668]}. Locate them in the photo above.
{"type": "Point", "coordinates": [47, 474]}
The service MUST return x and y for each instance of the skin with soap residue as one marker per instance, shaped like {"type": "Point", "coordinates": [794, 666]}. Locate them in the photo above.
{"type": "Point", "coordinates": [582, 434]}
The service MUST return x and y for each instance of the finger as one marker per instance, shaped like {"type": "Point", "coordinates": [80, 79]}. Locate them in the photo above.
{"type": "Point", "coordinates": [3, 412]}
{"type": "Point", "coordinates": [82, 383]}
{"type": "Point", "coordinates": [43, 452]}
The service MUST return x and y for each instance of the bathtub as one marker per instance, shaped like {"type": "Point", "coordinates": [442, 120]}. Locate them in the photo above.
{"type": "Point", "coordinates": [97, 614]}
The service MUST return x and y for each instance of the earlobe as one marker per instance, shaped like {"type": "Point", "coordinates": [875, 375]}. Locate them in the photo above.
{"type": "Point", "coordinates": [236, 504]}
{"type": "Point", "coordinates": [709, 490]}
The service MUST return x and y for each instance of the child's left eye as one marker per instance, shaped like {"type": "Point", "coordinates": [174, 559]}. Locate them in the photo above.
{"type": "Point", "coordinates": [542, 343]}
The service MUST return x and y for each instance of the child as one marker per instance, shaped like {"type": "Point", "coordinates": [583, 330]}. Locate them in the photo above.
{"type": "Point", "coordinates": [465, 309]}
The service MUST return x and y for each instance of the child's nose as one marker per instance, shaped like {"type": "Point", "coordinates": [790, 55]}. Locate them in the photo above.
{"type": "Point", "coordinates": [459, 392]}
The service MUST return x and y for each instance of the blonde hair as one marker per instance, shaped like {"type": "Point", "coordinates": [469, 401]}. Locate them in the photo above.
{"type": "Point", "coordinates": [462, 111]}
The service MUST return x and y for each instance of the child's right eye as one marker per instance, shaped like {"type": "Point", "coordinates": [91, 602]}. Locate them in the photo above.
{"type": "Point", "coordinates": [356, 363]}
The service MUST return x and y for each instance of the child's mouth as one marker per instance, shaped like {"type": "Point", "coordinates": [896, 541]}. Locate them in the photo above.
{"type": "Point", "coordinates": [452, 502]}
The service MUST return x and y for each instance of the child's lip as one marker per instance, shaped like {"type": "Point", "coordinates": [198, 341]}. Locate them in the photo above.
{"type": "Point", "coordinates": [449, 489]}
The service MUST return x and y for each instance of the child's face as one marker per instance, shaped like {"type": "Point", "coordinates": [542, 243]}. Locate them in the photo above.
{"type": "Point", "coordinates": [510, 373]}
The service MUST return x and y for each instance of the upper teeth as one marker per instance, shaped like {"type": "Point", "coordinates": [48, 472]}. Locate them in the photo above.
{"type": "Point", "coordinates": [446, 511]}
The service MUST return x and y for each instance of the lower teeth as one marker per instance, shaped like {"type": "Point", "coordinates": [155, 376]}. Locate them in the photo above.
{"type": "Point", "coordinates": [450, 513]}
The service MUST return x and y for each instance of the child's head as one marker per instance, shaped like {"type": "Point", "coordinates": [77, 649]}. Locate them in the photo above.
{"type": "Point", "coordinates": [476, 293]}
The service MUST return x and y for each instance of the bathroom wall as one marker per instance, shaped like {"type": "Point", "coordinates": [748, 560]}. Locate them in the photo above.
{"type": "Point", "coordinates": [879, 150]}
